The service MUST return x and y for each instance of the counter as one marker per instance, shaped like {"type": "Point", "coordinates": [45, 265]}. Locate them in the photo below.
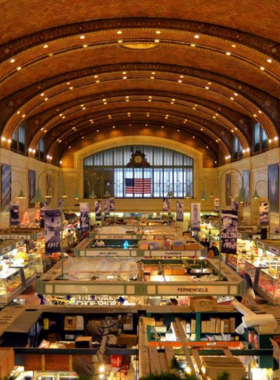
{"type": "Point", "coordinates": [269, 285]}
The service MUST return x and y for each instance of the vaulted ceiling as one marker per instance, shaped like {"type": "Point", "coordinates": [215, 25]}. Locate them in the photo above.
{"type": "Point", "coordinates": [199, 72]}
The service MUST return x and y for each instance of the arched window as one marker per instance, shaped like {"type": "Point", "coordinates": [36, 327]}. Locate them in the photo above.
{"type": "Point", "coordinates": [138, 172]}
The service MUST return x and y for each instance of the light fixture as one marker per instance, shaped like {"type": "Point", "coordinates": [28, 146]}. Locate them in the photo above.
{"type": "Point", "coordinates": [21, 195]}
{"type": "Point", "coordinates": [170, 194]}
{"type": "Point", "coordinates": [93, 195]}
{"type": "Point", "coordinates": [203, 196]}
{"type": "Point", "coordinates": [242, 198]}
{"type": "Point", "coordinates": [256, 195]}
{"type": "Point", "coordinates": [38, 197]}
{"type": "Point", "coordinates": [76, 194]}
{"type": "Point", "coordinates": [211, 194]}
{"type": "Point", "coordinates": [188, 195]}
{"type": "Point", "coordinates": [106, 194]}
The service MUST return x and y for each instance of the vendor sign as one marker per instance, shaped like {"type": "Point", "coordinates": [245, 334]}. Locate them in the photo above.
{"type": "Point", "coordinates": [84, 216]}
{"type": "Point", "coordinates": [264, 213]}
{"type": "Point", "coordinates": [14, 213]}
{"type": "Point", "coordinates": [180, 211]}
{"type": "Point", "coordinates": [229, 231]}
{"type": "Point", "coordinates": [195, 216]}
{"type": "Point", "coordinates": [98, 215]}
{"type": "Point", "coordinates": [52, 230]}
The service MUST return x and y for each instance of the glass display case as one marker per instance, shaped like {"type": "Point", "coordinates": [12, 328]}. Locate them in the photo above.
{"type": "Point", "coordinates": [10, 284]}
{"type": "Point", "coordinates": [269, 285]}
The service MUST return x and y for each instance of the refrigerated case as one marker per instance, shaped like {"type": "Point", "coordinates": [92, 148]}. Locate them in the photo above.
{"type": "Point", "coordinates": [10, 285]}
{"type": "Point", "coordinates": [269, 285]}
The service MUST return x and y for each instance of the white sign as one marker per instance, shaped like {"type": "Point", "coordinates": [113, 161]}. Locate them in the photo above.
{"type": "Point", "coordinates": [115, 236]}
{"type": "Point", "coordinates": [155, 253]}
{"type": "Point", "coordinates": [123, 253]}
{"type": "Point", "coordinates": [192, 289]}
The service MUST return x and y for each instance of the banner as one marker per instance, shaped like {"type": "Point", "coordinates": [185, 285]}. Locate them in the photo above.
{"type": "Point", "coordinates": [166, 205]}
{"type": "Point", "coordinates": [6, 175]}
{"type": "Point", "coordinates": [234, 205]}
{"type": "Point", "coordinates": [106, 206]}
{"type": "Point", "coordinates": [84, 216]}
{"type": "Point", "coordinates": [264, 213]}
{"type": "Point", "coordinates": [216, 204]}
{"type": "Point", "coordinates": [228, 189]}
{"type": "Point", "coordinates": [31, 186]}
{"type": "Point", "coordinates": [246, 185]}
{"type": "Point", "coordinates": [98, 215]}
{"type": "Point", "coordinates": [195, 216]}
{"type": "Point", "coordinates": [180, 211]}
{"type": "Point", "coordinates": [273, 187]}
{"type": "Point", "coordinates": [112, 204]}
{"type": "Point", "coordinates": [52, 230]}
{"type": "Point", "coordinates": [229, 232]}
{"type": "Point", "coordinates": [43, 207]}
{"type": "Point", "coordinates": [14, 213]}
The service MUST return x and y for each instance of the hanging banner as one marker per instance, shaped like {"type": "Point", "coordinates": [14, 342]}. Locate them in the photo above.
{"type": "Point", "coordinates": [234, 205]}
{"type": "Point", "coordinates": [229, 232]}
{"type": "Point", "coordinates": [106, 206]}
{"type": "Point", "coordinates": [25, 220]}
{"type": "Point", "coordinates": [264, 213]}
{"type": "Point", "coordinates": [195, 216]}
{"type": "Point", "coordinates": [43, 207]}
{"type": "Point", "coordinates": [14, 213]}
{"type": "Point", "coordinates": [166, 205]}
{"type": "Point", "coordinates": [52, 230]}
{"type": "Point", "coordinates": [60, 202]}
{"type": "Point", "coordinates": [180, 211]}
{"type": "Point", "coordinates": [98, 215]}
{"type": "Point", "coordinates": [216, 204]}
{"type": "Point", "coordinates": [112, 204]}
{"type": "Point", "coordinates": [84, 216]}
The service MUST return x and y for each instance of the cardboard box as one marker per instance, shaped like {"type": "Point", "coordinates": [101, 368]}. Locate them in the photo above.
{"type": "Point", "coordinates": [70, 323]}
{"type": "Point", "coordinates": [148, 321]}
{"type": "Point", "coordinates": [83, 342]}
{"type": "Point", "coordinates": [213, 366]}
{"type": "Point", "coordinates": [128, 339]}
{"type": "Point", "coordinates": [203, 303]}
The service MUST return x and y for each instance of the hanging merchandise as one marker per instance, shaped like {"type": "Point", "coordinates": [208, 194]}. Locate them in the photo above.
{"type": "Point", "coordinates": [166, 205]}
{"type": "Point", "coordinates": [264, 213]}
{"type": "Point", "coordinates": [216, 204]}
{"type": "Point", "coordinates": [234, 205]}
{"type": "Point", "coordinates": [112, 204]}
{"type": "Point", "coordinates": [14, 213]}
{"type": "Point", "coordinates": [52, 230]}
{"type": "Point", "coordinates": [98, 215]}
{"type": "Point", "coordinates": [195, 216]}
{"type": "Point", "coordinates": [229, 231]}
{"type": "Point", "coordinates": [25, 218]}
{"type": "Point", "coordinates": [84, 216]}
{"type": "Point", "coordinates": [106, 206]}
{"type": "Point", "coordinates": [180, 211]}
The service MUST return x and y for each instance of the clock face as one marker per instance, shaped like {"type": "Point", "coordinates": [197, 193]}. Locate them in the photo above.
{"type": "Point", "coordinates": [138, 159]}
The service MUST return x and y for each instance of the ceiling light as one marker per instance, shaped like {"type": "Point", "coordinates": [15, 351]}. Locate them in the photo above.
{"type": "Point", "coordinates": [193, 137]}
{"type": "Point", "coordinates": [152, 77]}
{"type": "Point", "coordinates": [124, 77]}
{"type": "Point", "coordinates": [97, 81]}
{"type": "Point", "coordinates": [201, 129]}
{"type": "Point", "coordinates": [235, 94]}
{"type": "Point", "coordinates": [119, 32]}
{"type": "Point", "coordinates": [82, 37]}
{"type": "Point", "coordinates": [12, 60]}
{"type": "Point", "coordinates": [173, 100]}
{"type": "Point", "coordinates": [18, 112]}
{"type": "Point", "coordinates": [71, 88]}
{"type": "Point", "coordinates": [207, 88]}
{"type": "Point", "coordinates": [162, 126]}
{"type": "Point", "coordinates": [259, 111]}
{"type": "Point", "coordinates": [276, 138]}
{"type": "Point", "coordinates": [196, 36]}
{"type": "Point", "coordinates": [113, 126]}
{"type": "Point", "coordinates": [124, 72]}
{"type": "Point", "coordinates": [192, 45]}
{"type": "Point", "coordinates": [18, 68]}
{"type": "Point", "coordinates": [156, 41]}
{"type": "Point", "coordinates": [85, 46]}
{"type": "Point", "coordinates": [178, 130]}
{"type": "Point", "coordinates": [182, 76]}
{"type": "Point", "coordinates": [209, 83]}
{"type": "Point", "coordinates": [153, 73]}
{"type": "Point", "coordinates": [46, 46]}
{"type": "Point", "coordinates": [255, 115]}
{"type": "Point", "coordinates": [180, 81]}
{"type": "Point", "coordinates": [262, 68]}
{"type": "Point", "coordinates": [84, 108]}
{"type": "Point", "coordinates": [3, 138]}
{"type": "Point", "coordinates": [68, 83]}
{"type": "Point", "coordinates": [119, 41]}
{"type": "Point", "coordinates": [228, 53]}
{"type": "Point", "coordinates": [158, 32]}
{"type": "Point", "coordinates": [42, 94]}
{"type": "Point", "coordinates": [269, 60]}
{"type": "Point", "coordinates": [231, 98]}
{"type": "Point", "coordinates": [97, 130]}
{"type": "Point", "coordinates": [233, 45]}
{"type": "Point", "coordinates": [46, 99]}
{"type": "Point", "coordinates": [185, 121]}
{"type": "Point", "coordinates": [83, 137]}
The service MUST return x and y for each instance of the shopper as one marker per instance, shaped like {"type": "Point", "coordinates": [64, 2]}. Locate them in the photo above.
{"type": "Point", "coordinates": [215, 249]}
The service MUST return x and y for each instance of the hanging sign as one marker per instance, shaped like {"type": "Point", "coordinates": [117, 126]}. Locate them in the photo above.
{"type": "Point", "coordinates": [195, 216]}
{"type": "Point", "coordinates": [229, 231]}
{"type": "Point", "coordinates": [180, 211]}
{"type": "Point", "coordinates": [216, 204]}
{"type": "Point", "coordinates": [52, 230]}
{"type": "Point", "coordinates": [84, 216]}
{"type": "Point", "coordinates": [14, 213]}
{"type": "Point", "coordinates": [234, 205]}
{"type": "Point", "coordinates": [98, 215]}
{"type": "Point", "coordinates": [112, 204]}
{"type": "Point", "coordinates": [166, 205]}
{"type": "Point", "coordinates": [106, 206]}
{"type": "Point", "coordinates": [264, 213]}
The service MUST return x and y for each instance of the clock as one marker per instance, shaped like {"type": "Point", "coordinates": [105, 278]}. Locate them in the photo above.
{"type": "Point", "coordinates": [138, 159]}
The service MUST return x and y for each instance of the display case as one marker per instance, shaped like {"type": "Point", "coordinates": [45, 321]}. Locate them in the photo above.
{"type": "Point", "coordinates": [10, 284]}
{"type": "Point", "coordinates": [269, 285]}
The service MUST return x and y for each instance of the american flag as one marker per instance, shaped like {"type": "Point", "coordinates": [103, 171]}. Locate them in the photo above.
{"type": "Point", "coordinates": [138, 186]}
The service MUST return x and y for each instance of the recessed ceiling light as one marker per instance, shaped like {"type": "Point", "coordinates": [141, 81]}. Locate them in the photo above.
{"type": "Point", "coordinates": [173, 100]}
{"type": "Point", "coordinates": [124, 77]}
{"type": "Point", "coordinates": [71, 88]}
{"type": "Point", "coordinates": [209, 83]}
{"type": "Point", "coordinates": [119, 32]}
{"type": "Point", "coordinates": [158, 32]}
{"type": "Point", "coordinates": [178, 130]}
{"type": "Point", "coordinates": [18, 68]}
{"type": "Point", "coordinates": [42, 94]}
{"type": "Point", "coordinates": [228, 53]}
{"type": "Point", "coordinates": [124, 72]}
{"type": "Point", "coordinates": [259, 111]}
{"type": "Point", "coordinates": [82, 37]}
{"type": "Point", "coordinates": [83, 137]}
{"type": "Point", "coordinates": [269, 60]}
{"type": "Point", "coordinates": [152, 77]}
{"type": "Point", "coordinates": [113, 126]}
{"type": "Point", "coordinates": [255, 115]}
{"type": "Point", "coordinates": [85, 46]}
{"type": "Point", "coordinates": [46, 99]}
{"type": "Point", "coordinates": [192, 45]}
{"type": "Point", "coordinates": [12, 60]}
{"type": "Point", "coordinates": [207, 88]}
{"type": "Point", "coordinates": [231, 98]}
{"type": "Point", "coordinates": [262, 68]}
{"type": "Point", "coordinates": [196, 36]}
{"type": "Point", "coordinates": [233, 45]}
{"type": "Point", "coordinates": [156, 41]}
{"type": "Point", "coordinates": [162, 126]}
{"type": "Point", "coordinates": [235, 94]}
{"type": "Point", "coordinates": [97, 130]}
{"type": "Point", "coordinates": [180, 81]}
{"type": "Point", "coordinates": [46, 46]}
{"type": "Point", "coordinates": [18, 112]}
{"type": "Point", "coordinates": [97, 81]}
{"type": "Point", "coordinates": [153, 73]}
{"type": "Point", "coordinates": [95, 76]}
{"type": "Point", "coordinates": [201, 129]}
{"type": "Point", "coordinates": [193, 137]}
{"type": "Point", "coordinates": [120, 41]}
{"type": "Point", "coordinates": [127, 97]}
